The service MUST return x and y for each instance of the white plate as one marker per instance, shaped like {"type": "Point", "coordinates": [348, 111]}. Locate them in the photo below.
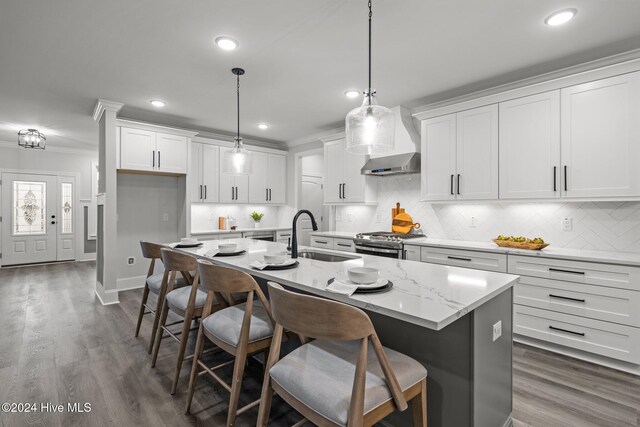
{"type": "Point", "coordinates": [377, 284]}
{"type": "Point", "coordinates": [290, 261]}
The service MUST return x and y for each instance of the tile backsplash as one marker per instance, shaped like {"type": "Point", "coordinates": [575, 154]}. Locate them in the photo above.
{"type": "Point", "coordinates": [607, 226]}
{"type": "Point", "coordinates": [204, 217]}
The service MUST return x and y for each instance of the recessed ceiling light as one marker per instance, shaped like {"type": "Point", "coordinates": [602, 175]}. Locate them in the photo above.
{"type": "Point", "coordinates": [352, 93]}
{"type": "Point", "coordinates": [157, 103]}
{"type": "Point", "coordinates": [560, 17]}
{"type": "Point", "coordinates": [226, 43]}
{"type": "Point", "coordinates": [263, 126]}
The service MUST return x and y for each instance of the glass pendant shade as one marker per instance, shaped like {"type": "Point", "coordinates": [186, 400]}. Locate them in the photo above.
{"type": "Point", "coordinates": [369, 128]}
{"type": "Point", "coordinates": [238, 160]}
{"type": "Point", "coordinates": [31, 138]}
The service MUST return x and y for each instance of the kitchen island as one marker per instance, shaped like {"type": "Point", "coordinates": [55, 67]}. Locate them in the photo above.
{"type": "Point", "coordinates": [442, 316]}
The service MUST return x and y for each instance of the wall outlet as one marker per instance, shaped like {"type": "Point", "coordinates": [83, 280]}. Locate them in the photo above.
{"type": "Point", "coordinates": [131, 260]}
{"type": "Point", "coordinates": [566, 224]}
{"type": "Point", "coordinates": [473, 222]}
{"type": "Point", "coordinates": [165, 217]}
{"type": "Point", "coordinates": [497, 330]}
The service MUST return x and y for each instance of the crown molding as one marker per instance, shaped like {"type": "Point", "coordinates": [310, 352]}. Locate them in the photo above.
{"type": "Point", "coordinates": [103, 105]}
{"type": "Point", "coordinates": [333, 136]}
{"type": "Point", "coordinates": [593, 70]}
{"type": "Point", "coordinates": [320, 136]}
{"type": "Point", "coordinates": [226, 138]}
{"type": "Point", "coordinates": [153, 127]}
{"type": "Point", "coordinates": [54, 149]}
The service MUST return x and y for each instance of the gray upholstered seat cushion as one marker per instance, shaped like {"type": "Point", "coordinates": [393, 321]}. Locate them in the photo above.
{"type": "Point", "coordinates": [226, 323]}
{"type": "Point", "coordinates": [155, 282]}
{"type": "Point", "coordinates": [179, 298]}
{"type": "Point", "coordinates": [320, 375]}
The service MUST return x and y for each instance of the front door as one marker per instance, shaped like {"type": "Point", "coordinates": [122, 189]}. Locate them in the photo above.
{"type": "Point", "coordinates": [37, 218]}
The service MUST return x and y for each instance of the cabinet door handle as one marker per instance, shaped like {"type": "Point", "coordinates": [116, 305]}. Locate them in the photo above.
{"type": "Point", "coordinates": [266, 194]}
{"type": "Point", "coordinates": [458, 184]}
{"type": "Point", "coordinates": [456, 258]}
{"type": "Point", "coordinates": [324, 242]}
{"type": "Point", "coordinates": [452, 184]}
{"type": "Point", "coordinates": [158, 159]}
{"type": "Point", "coordinates": [566, 330]}
{"type": "Point", "coordinates": [567, 298]}
{"type": "Point", "coordinates": [343, 245]}
{"type": "Point", "coordinates": [565, 177]}
{"type": "Point", "coordinates": [233, 192]}
{"type": "Point", "coordinates": [344, 190]}
{"type": "Point", "coordinates": [200, 191]}
{"type": "Point", "coordinates": [339, 191]}
{"type": "Point", "coordinates": [560, 270]}
{"type": "Point", "coordinates": [555, 174]}
{"type": "Point", "coordinates": [236, 193]}
{"type": "Point", "coordinates": [269, 194]}
{"type": "Point", "coordinates": [205, 191]}
{"type": "Point", "coordinates": [153, 158]}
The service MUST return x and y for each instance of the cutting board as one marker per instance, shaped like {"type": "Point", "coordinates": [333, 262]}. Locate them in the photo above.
{"type": "Point", "coordinates": [403, 223]}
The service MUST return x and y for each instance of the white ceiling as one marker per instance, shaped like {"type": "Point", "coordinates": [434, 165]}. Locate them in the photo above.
{"type": "Point", "coordinates": [58, 57]}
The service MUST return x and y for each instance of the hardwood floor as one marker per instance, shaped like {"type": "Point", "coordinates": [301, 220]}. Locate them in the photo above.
{"type": "Point", "coordinates": [59, 344]}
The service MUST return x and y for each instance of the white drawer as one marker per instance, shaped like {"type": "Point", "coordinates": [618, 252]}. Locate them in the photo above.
{"type": "Point", "coordinates": [595, 336]}
{"type": "Point", "coordinates": [469, 259]}
{"type": "Point", "coordinates": [283, 234]}
{"type": "Point", "coordinates": [205, 237]}
{"type": "Point", "coordinates": [595, 302]}
{"type": "Point", "coordinates": [616, 276]}
{"type": "Point", "coordinates": [346, 245]}
{"type": "Point", "coordinates": [322, 242]}
{"type": "Point", "coordinates": [412, 253]}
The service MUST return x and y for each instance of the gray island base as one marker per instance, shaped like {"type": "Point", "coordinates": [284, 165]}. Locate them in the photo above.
{"type": "Point", "coordinates": [441, 316]}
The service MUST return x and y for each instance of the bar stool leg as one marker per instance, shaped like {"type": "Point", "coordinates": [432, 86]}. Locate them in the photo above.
{"type": "Point", "coordinates": [156, 318]}
{"type": "Point", "coordinates": [159, 332]}
{"type": "Point", "coordinates": [194, 368]}
{"type": "Point", "coordinates": [238, 372]}
{"type": "Point", "coordinates": [419, 406]}
{"type": "Point", "coordinates": [184, 338]}
{"type": "Point", "coordinates": [267, 391]}
{"type": "Point", "coordinates": [145, 295]}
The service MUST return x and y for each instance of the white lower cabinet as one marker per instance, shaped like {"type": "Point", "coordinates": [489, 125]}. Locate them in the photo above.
{"type": "Point", "coordinates": [322, 242]}
{"type": "Point", "coordinates": [592, 307]}
{"type": "Point", "coordinates": [412, 253]}
{"type": "Point", "coordinates": [336, 243]}
{"type": "Point", "coordinates": [462, 258]}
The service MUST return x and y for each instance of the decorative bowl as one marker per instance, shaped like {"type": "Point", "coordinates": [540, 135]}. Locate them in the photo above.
{"type": "Point", "coordinates": [227, 247]}
{"type": "Point", "coordinates": [275, 257]}
{"type": "Point", "coordinates": [363, 275]}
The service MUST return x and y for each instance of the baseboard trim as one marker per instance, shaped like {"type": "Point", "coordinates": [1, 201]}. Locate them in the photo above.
{"type": "Point", "coordinates": [106, 297]}
{"type": "Point", "coordinates": [618, 365]}
{"type": "Point", "coordinates": [129, 283]}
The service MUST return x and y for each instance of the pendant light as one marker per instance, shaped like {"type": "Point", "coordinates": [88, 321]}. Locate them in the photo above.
{"type": "Point", "coordinates": [370, 127]}
{"type": "Point", "coordinates": [238, 160]}
{"type": "Point", "coordinates": [31, 138]}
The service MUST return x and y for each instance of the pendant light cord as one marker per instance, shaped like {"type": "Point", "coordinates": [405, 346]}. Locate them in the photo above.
{"type": "Point", "coordinates": [238, 98]}
{"type": "Point", "coordinates": [370, 14]}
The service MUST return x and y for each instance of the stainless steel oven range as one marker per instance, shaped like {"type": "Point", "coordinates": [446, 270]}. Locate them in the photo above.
{"type": "Point", "coordinates": [382, 243]}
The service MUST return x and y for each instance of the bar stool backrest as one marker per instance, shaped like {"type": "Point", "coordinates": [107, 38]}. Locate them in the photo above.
{"type": "Point", "coordinates": [178, 261]}
{"type": "Point", "coordinates": [151, 250]}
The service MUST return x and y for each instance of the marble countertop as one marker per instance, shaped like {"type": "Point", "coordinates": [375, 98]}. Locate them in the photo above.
{"type": "Point", "coordinates": [339, 234]}
{"type": "Point", "coordinates": [619, 258]}
{"type": "Point", "coordinates": [429, 295]}
{"type": "Point", "coordinates": [238, 230]}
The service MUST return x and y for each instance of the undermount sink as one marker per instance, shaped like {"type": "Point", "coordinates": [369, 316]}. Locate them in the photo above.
{"type": "Point", "coordinates": [323, 256]}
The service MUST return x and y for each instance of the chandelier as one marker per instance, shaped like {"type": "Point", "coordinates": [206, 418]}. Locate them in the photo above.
{"type": "Point", "coordinates": [31, 138]}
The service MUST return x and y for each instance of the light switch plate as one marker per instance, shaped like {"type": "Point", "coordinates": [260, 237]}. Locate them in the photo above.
{"type": "Point", "coordinates": [473, 222]}
{"type": "Point", "coordinates": [497, 330]}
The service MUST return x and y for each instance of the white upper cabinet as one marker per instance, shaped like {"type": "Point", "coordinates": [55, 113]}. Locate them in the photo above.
{"type": "Point", "coordinates": [343, 181]}
{"type": "Point", "coordinates": [477, 153]}
{"type": "Point", "coordinates": [530, 147]}
{"type": "Point", "coordinates": [205, 171]}
{"type": "Point", "coordinates": [460, 156]}
{"type": "Point", "coordinates": [438, 158]}
{"type": "Point", "coordinates": [600, 134]}
{"type": "Point", "coordinates": [137, 149]}
{"type": "Point", "coordinates": [144, 150]}
{"type": "Point", "coordinates": [267, 181]}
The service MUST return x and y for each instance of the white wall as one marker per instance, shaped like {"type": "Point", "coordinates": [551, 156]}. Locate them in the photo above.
{"type": "Point", "coordinates": [607, 226]}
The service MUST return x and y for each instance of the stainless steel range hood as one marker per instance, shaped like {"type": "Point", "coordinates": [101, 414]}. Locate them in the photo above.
{"type": "Point", "coordinates": [405, 156]}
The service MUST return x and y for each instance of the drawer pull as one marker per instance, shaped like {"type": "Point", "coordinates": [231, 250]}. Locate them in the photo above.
{"type": "Point", "coordinates": [456, 258]}
{"type": "Point", "coordinates": [567, 298]}
{"type": "Point", "coordinates": [566, 330]}
{"type": "Point", "coordinates": [343, 245]}
{"type": "Point", "coordinates": [324, 242]}
{"type": "Point", "coordinates": [559, 270]}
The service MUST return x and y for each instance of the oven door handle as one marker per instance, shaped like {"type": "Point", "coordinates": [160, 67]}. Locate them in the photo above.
{"type": "Point", "coordinates": [379, 250]}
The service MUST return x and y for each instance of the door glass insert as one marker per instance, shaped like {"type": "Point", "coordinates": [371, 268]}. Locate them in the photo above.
{"type": "Point", "coordinates": [30, 208]}
{"type": "Point", "coordinates": [67, 207]}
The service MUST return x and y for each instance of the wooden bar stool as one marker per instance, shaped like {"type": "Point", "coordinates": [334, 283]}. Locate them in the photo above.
{"type": "Point", "coordinates": [337, 379]}
{"type": "Point", "coordinates": [187, 302]}
{"type": "Point", "coordinates": [156, 284]}
{"type": "Point", "coordinates": [240, 330]}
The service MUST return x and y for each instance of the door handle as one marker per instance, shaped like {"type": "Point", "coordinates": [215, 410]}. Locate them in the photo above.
{"type": "Point", "coordinates": [200, 191]}
{"type": "Point", "coordinates": [555, 174]}
{"type": "Point", "coordinates": [266, 194]}
{"type": "Point", "coordinates": [53, 222]}
{"type": "Point", "coordinates": [158, 159]}
{"type": "Point", "coordinates": [233, 192]}
{"type": "Point", "coordinates": [344, 190]}
{"type": "Point", "coordinates": [205, 191]}
{"type": "Point", "coordinates": [565, 177]}
{"type": "Point", "coordinates": [153, 158]}
{"type": "Point", "coordinates": [269, 194]}
{"type": "Point", "coordinates": [339, 191]}
{"type": "Point", "coordinates": [452, 184]}
{"type": "Point", "coordinates": [458, 184]}
{"type": "Point", "coordinates": [236, 193]}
